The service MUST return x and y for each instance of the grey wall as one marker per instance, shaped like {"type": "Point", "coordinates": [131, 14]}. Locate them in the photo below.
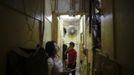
{"type": "Point", "coordinates": [124, 24]}
{"type": "Point", "coordinates": [117, 33]}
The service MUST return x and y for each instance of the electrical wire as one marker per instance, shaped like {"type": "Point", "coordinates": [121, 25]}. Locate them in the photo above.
{"type": "Point", "coordinates": [26, 18]}
{"type": "Point", "coordinates": [30, 28]}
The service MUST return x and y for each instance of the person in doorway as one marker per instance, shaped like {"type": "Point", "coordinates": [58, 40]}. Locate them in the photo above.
{"type": "Point", "coordinates": [64, 56]}
{"type": "Point", "coordinates": [72, 55]}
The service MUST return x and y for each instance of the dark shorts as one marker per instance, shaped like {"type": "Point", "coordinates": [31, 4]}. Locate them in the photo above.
{"type": "Point", "coordinates": [72, 66]}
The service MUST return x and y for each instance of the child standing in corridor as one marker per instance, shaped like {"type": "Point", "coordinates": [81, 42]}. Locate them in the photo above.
{"type": "Point", "coordinates": [72, 55]}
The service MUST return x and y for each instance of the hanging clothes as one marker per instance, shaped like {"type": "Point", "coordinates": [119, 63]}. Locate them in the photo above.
{"type": "Point", "coordinates": [22, 61]}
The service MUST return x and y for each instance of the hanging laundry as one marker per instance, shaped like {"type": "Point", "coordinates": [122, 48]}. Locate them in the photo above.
{"type": "Point", "coordinates": [21, 61]}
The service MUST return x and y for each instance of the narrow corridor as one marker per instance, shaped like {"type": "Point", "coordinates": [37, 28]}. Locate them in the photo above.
{"type": "Point", "coordinates": [100, 29]}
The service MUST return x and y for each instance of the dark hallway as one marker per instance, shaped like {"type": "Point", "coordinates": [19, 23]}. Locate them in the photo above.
{"type": "Point", "coordinates": [102, 27]}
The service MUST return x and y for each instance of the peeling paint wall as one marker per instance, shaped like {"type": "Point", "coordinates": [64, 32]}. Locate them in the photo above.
{"type": "Point", "coordinates": [19, 27]}
{"type": "Point", "coordinates": [107, 28]}
{"type": "Point", "coordinates": [48, 22]}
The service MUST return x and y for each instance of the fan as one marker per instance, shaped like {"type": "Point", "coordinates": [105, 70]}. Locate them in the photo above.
{"type": "Point", "coordinates": [72, 30]}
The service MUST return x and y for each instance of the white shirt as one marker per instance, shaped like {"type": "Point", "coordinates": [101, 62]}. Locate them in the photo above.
{"type": "Point", "coordinates": [55, 65]}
